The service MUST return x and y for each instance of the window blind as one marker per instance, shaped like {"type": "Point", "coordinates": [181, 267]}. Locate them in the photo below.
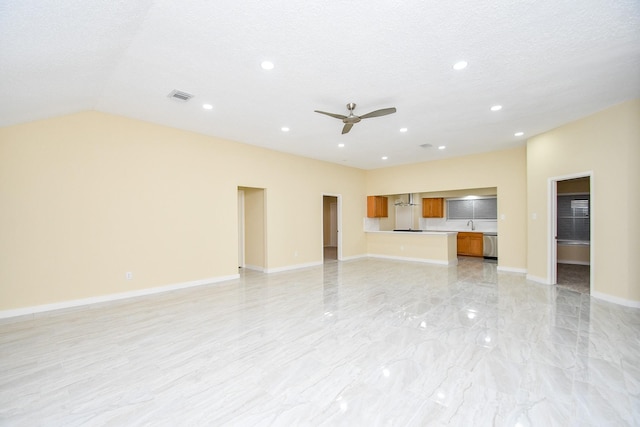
{"type": "Point", "coordinates": [573, 217]}
{"type": "Point", "coordinates": [466, 209]}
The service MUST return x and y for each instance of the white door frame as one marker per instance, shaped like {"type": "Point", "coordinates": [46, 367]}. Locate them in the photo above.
{"type": "Point", "coordinates": [241, 228]}
{"type": "Point", "coordinates": [552, 227]}
{"type": "Point", "coordinates": [338, 224]}
{"type": "Point", "coordinates": [333, 225]}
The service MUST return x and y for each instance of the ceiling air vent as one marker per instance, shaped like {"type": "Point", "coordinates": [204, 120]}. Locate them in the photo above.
{"type": "Point", "coordinates": [426, 145]}
{"type": "Point", "coordinates": [178, 95]}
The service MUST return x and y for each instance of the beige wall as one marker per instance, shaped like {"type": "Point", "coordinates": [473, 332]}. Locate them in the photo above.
{"type": "Point", "coordinates": [608, 145]}
{"type": "Point", "coordinates": [573, 254]}
{"type": "Point", "coordinates": [88, 197]}
{"type": "Point", "coordinates": [503, 170]}
{"type": "Point", "coordinates": [491, 191]}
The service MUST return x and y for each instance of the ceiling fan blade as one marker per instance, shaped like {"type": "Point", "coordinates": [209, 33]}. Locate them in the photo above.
{"type": "Point", "coordinates": [347, 128]}
{"type": "Point", "coordinates": [379, 113]}
{"type": "Point", "coordinates": [337, 116]}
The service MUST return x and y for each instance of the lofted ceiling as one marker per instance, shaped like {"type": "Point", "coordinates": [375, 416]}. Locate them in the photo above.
{"type": "Point", "coordinates": [545, 62]}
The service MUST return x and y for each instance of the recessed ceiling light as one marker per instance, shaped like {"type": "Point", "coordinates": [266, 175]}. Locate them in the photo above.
{"type": "Point", "coordinates": [384, 157]}
{"type": "Point", "coordinates": [284, 129]}
{"type": "Point", "coordinates": [442, 147]}
{"type": "Point", "coordinates": [518, 134]}
{"type": "Point", "coordinates": [341, 145]}
{"type": "Point", "coordinates": [403, 130]}
{"type": "Point", "coordinates": [267, 65]}
{"type": "Point", "coordinates": [496, 108]}
{"type": "Point", "coordinates": [207, 106]}
{"type": "Point", "coordinates": [461, 65]}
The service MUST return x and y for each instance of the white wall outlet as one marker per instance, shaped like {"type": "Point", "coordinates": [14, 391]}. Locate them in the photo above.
{"type": "Point", "coordinates": [534, 216]}
{"type": "Point", "coordinates": [295, 253]}
{"type": "Point", "coordinates": [129, 275]}
{"type": "Point", "coordinates": [502, 217]}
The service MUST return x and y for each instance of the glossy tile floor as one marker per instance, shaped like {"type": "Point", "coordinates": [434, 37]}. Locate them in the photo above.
{"type": "Point", "coordinates": [574, 277]}
{"type": "Point", "coordinates": [361, 343]}
{"type": "Point", "coordinates": [330, 253]}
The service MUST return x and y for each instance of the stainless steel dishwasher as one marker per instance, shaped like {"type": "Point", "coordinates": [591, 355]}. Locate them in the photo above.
{"type": "Point", "coordinates": [490, 245]}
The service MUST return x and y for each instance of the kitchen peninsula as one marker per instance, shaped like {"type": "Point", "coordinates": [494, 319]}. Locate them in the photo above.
{"type": "Point", "coordinates": [433, 227]}
{"type": "Point", "coordinates": [435, 247]}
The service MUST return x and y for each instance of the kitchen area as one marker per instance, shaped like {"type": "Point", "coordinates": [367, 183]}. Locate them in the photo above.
{"type": "Point", "coordinates": [434, 227]}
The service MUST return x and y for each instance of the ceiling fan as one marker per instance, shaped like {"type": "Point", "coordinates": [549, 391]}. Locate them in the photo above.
{"type": "Point", "coordinates": [352, 119]}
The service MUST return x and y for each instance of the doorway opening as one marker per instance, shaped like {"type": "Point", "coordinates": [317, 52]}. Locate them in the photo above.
{"type": "Point", "coordinates": [252, 241]}
{"type": "Point", "coordinates": [331, 220]}
{"type": "Point", "coordinates": [571, 224]}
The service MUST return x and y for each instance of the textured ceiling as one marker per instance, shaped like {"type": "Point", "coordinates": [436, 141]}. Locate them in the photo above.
{"type": "Point", "coordinates": [546, 62]}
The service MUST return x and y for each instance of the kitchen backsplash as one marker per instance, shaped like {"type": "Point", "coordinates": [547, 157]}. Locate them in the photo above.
{"type": "Point", "coordinates": [371, 224]}
{"type": "Point", "coordinates": [439, 224]}
{"type": "Point", "coordinates": [457, 225]}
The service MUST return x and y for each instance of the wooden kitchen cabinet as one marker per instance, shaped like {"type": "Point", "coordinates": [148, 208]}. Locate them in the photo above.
{"type": "Point", "coordinates": [433, 207]}
{"type": "Point", "coordinates": [377, 207]}
{"type": "Point", "coordinates": [470, 244]}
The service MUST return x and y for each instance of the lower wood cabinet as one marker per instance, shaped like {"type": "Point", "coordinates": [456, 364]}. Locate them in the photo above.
{"type": "Point", "coordinates": [470, 244]}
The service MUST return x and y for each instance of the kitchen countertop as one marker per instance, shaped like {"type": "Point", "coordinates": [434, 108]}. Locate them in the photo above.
{"type": "Point", "coordinates": [488, 233]}
{"type": "Point", "coordinates": [427, 232]}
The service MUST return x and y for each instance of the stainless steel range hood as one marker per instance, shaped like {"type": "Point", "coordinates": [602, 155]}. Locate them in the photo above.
{"type": "Point", "coordinates": [409, 202]}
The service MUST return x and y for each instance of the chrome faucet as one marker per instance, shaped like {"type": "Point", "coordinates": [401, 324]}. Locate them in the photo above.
{"type": "Point", "coordinates": [472, 226]}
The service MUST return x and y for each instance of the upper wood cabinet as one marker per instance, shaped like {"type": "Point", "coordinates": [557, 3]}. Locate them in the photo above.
{"type": "Point", "coordinates": [433, 207]}
{"type": "Point", "coordinates": [377, 207]}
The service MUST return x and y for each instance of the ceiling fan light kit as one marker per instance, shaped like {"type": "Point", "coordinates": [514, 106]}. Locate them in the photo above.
{"type": "Point", "coordinates": [352, 119]}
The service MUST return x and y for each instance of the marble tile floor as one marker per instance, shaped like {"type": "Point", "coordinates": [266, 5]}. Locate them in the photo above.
{"type": "Point", "coordinates": [330, 254]}
{"type": "Point", "coordinates": [574, 277]}
{"type": "Point", "coordinates": [368, 342]}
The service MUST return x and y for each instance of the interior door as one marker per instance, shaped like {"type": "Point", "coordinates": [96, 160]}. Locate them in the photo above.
{"type": "Point", "coordinates": [574, 186]}
{"type": "Point", "coordinates": [333, 224]}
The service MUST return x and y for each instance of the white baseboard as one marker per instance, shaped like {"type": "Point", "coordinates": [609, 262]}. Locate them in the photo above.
{"type": "Point", "coordinates": [112, 297]}
{"type": "Point", "coordinates": [537, 279]}
{"type": "Point", "coordinates": [615, 300]}
{"type": "Point", "coordinates": [254, 267]}
{"type": "Point", "coordinates": [595, 294]}
{"type": "Point", "coordinates": [354, 257]}
{"type": "Point", "coordinates": [293, 267]}
{"type": "Point", "coordinates": [423, 260]}
{"type": "Point", "coordinates": [512, 270]}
